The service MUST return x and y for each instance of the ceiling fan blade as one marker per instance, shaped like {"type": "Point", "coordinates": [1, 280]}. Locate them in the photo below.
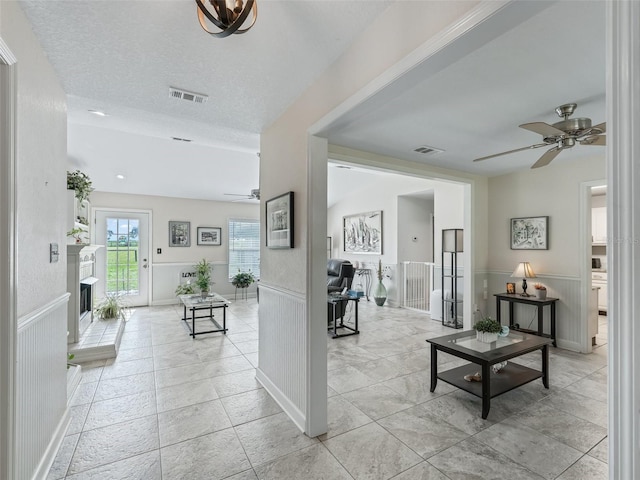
{"type": "Point", "coordinates": [602, 127]}
{"type": "Point", "coordinates": [543, 129]}
{"type": "Point", "coordinates": [538, 145]}
{"type": "Point", "coordinates": [594, 140]}
{"type": "Point", "coordinates": [547, 157]}
{"type": "Point", "coordinates": [237, 195]}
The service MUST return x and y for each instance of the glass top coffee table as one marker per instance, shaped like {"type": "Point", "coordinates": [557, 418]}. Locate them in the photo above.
{"type": "Point", "coordinates": [196, 303]}
{"type": "Point", "coordinates": [483, 356]}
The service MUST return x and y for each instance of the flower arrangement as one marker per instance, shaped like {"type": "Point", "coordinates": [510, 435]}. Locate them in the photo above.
{"type": "Point", "coordinates": [185, 289]}
{"type": "Point", "coordinates": [382, 271]}
{"type": "Point", "coordinates": [539, 286]}
{"type": "Point", "coordinates": [243, 279]}
{"type": "Point", "coordinates": [487, 325]}
{"type": "Point", "coordinates": [81, 183]}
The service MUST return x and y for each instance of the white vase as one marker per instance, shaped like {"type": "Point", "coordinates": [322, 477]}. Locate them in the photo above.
{"type": "Point", "coordinates": [486, 337]}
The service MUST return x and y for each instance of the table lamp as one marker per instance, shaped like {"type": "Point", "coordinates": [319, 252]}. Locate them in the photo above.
{"type": "Point", "coordinates": [524, 271]}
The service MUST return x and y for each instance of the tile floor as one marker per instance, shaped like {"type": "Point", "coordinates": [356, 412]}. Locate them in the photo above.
{"type": "Point", "coordinates": [171, 408]}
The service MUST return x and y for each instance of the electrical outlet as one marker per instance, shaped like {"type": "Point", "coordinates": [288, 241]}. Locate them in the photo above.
{"type": "Point", "coordinates": [158, 251]}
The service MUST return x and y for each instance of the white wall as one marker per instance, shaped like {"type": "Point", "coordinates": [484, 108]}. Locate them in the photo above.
{"type": "Point", "coordinates": [166, 266]}
{"type": "Point", "coordinates": [415, 229]}
{"type": "Point", "coordinates": [287, 147]}
{"type": "Point", "coordinates": [554, 191]}
{"type": "Point", "coordinates": [41, 220]}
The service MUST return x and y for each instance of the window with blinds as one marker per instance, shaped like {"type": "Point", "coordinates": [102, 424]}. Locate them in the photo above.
{"type": "Point", "coordinates": [244, 247]}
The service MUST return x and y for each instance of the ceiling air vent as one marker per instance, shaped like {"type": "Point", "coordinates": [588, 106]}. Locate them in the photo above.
{"type": "Point", "coordinates": [427, 150]}
{"type": "Point", "coordinates": [188, 96]}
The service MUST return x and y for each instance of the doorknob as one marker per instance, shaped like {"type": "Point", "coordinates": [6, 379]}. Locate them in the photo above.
{"type": "Point", "coordinates": [145, 263]}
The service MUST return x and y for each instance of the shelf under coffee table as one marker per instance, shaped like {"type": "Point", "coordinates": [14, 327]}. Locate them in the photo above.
{"type": "Point", "coordinates": [483, 356]}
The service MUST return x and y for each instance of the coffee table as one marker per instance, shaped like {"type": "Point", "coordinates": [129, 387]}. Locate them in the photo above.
{"type": "Point", "coordinates": [196, 303]}
{"type": "Point", "coordinates": [483, 356]}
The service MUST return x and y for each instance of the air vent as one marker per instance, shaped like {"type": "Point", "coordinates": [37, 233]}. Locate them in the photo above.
{"type": "Point", "coordinates": [188, 96]}
{"type": "Point", "coordinates": [178, 139]}
{"type": "Point", "coordinates": [426, 150]}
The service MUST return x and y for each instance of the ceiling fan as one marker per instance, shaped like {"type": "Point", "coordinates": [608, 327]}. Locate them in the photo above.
{"type": "Point", "coordinates": [254, 195]}
{"type": "Point", "coordinates": [561, 135]}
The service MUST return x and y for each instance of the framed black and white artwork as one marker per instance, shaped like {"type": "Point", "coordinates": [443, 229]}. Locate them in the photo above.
{"type": "Point", "coordinates": [210, 236]}
{"type": "Point", "coordinates": [279, 221]}
{"type": "Point", "coordinates": [530, 233]}
{"type": "Point", "coordinates": [179, 234]}
{"type": "Point", "coordinates": [363, 233]}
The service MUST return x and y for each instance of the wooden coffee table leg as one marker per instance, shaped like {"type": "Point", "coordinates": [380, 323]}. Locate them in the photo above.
{"type": "Point", "coordinates": [486, 390]}
{"type": "Point", "coordinates": [434, 367]}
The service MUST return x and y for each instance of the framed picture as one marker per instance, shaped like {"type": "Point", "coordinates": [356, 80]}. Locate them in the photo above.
{"type": "Point", "coordinates": [530, 233]}
{"type": "Point", "coordinates": [279, 216]}
{"type": "Point", "coordinates": [209, 236]}
{"type": "Point", "coordinates": [511, 288]}
{"type": "Point", "coordinates": [363, 233]}
{"type": "Point", "coordinates": [179, 234]}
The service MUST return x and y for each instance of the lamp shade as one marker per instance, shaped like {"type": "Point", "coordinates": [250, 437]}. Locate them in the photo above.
{"type": "Point", "coordinates": [452, 240]}
{"type": "Point", "coordinates": [523, 270]}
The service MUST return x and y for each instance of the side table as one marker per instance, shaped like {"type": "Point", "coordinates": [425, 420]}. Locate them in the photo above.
{"type": "Point", "coordinates": [513, 298]}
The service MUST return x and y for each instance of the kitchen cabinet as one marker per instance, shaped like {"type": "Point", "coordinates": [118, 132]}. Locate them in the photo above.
{"type": "Point", "coordinates": [599, 225]}
{"type": "Point", "coordinates": [599, 279]}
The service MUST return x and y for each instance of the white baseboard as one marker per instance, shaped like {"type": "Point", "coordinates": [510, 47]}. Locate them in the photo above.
{"type": "Point", "coordinates": [289, 408]}
{"type": "Point", "coordinates": [52, 449]}
{"type": "Point", "coordinates": [567, 345]}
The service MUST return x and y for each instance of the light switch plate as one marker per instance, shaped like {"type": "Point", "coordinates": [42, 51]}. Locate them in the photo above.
{"type": "Point", "coordinates": [54, 253]}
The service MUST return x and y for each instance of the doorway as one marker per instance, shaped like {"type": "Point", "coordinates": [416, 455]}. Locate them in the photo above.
{"type": "Point", "coordinates": [122, 267]}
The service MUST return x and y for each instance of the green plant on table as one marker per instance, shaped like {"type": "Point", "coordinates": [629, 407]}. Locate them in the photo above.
{"type": "Point", "coordinates": [203, 274]}
{"type": "Point", "coordinates": [111, 306]}
{"type": "Point", "coordinates": [185, 289]}
{"type": "Point", "coordinates": [243, 279]}
{"type": "Point", "coordinates": [488, 325]}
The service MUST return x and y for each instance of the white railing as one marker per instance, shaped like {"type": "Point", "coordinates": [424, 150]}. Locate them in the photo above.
{"type": "Point", "coordinates": [417, 285]}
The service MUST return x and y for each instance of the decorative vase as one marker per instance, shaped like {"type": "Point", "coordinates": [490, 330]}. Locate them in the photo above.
{"type": "Point", "coordinates": [204, 293]}
{"type": "Point", "coordinates": [541, 294]}
{"type": "Point", "coordinates": [380, 294]}
{"type": "Point", "coordinates": [486, 337]}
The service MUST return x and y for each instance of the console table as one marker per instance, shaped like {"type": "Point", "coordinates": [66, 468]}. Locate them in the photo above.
{"type": "Point", "coordinates": [366, 274]}
{"type": "Point", "coordinates": [512, 298]}
{"type": "Point", "coordinates": [196, 303]}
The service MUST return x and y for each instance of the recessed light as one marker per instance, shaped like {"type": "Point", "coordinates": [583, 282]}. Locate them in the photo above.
{"type": "Point", "coordinates": [99, 113]}
{"type": "Point", "coordinates": [120, 177]}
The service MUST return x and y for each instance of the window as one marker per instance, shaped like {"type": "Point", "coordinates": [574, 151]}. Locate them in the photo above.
{"type": "Point", "coordinates": [244, 247]}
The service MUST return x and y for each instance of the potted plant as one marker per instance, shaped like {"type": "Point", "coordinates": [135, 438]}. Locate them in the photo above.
{"type": "Point", "coordinates": [487, 330]}
{"type": "Point", "coordinates": [243, 279]}
{"type": "Point", "coordinates": [111, 306]}
{"type": "Point", "coordinates": [80, 183]}
{"type": "Point", "coordinates": [203, 276]}
{"type": "Point", "coordinates": [76, 233]}
{"type": "Point", "coordinates": [541, 291]}
{"type": "Point", "coordinates": [185, 289]}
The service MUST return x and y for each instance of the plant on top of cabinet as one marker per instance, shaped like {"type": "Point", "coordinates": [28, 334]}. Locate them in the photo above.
{"type": "Point", "coordinates": [80, 183]}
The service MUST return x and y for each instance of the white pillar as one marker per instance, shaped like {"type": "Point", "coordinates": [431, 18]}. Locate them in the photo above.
{"type": "Point", "coordinates": [623, 213]}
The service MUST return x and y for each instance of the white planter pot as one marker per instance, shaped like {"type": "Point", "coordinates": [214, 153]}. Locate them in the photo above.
{"type": "Point", "coordinates": [541, 294]}
{"type": "Point", "coordinates": [486, 337]}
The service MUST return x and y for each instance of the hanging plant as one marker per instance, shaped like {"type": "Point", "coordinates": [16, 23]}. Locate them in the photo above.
{"type": "Point", "coordinates": [80, 183]}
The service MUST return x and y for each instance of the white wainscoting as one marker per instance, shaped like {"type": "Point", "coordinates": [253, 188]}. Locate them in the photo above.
{"type": "Point", "coordinates": [41, 388]}
{"type": "Point", "coordinates": [166, 277]}
{"type": "Point", "coordinates": [283, 345]}
{"type": "Point", "coordinates": [568, 310]}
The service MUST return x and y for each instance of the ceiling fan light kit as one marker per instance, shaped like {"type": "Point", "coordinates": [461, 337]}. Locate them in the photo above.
{"type": "Point", "coordinates": [562, 135]}
{"type": "Point", "coordinates": [226, 15]}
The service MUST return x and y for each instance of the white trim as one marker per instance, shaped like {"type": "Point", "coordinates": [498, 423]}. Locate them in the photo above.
{"type": "Point", "coordinates": [281, 399]}
{"type": "Point", "coordinates": [25, 321]}
{"type": "Point", "coordinates": [573, 278]}
{"type": "Point", "coordinates": [285, 291]}
{"type": "Point", "coordinates": [52, 449]}
{"type": "Point", "coordinates": [8, 242]}
{"type": "Point", "coordinates": [623, 230]}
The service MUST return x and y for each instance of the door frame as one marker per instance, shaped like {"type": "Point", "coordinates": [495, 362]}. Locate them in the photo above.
{"type": "Point", "coordinates": [94, 210]}
{"type": "Point", "coordinates": [8, 242]}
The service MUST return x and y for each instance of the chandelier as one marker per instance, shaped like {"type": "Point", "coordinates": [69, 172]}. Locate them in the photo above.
{"type": "Point", "coordinates": [227, 15]}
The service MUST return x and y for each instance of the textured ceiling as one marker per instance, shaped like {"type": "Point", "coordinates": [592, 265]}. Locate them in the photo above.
{"type": "Point", "coordinates": [122, 57]}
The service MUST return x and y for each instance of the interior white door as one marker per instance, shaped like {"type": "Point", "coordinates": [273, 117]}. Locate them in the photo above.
{"type": "Point", "coordinates": [122, 267]}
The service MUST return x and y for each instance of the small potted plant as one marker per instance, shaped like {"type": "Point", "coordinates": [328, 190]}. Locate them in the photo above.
{"type": "Point", "coordinates": [80, 183]}
{"type": "Point", "coordinates": [242, 279]}
{"type": "Point", "coordinates": [185, 289]}
{"type": "Point", "coordinates": [111, 307]}
{"type": "Point", "coordinates": [541, 291]}
{"type": "Point", "coordinates": [487, 330]}
{"type": "Point", "coordinates": [203, 277]}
